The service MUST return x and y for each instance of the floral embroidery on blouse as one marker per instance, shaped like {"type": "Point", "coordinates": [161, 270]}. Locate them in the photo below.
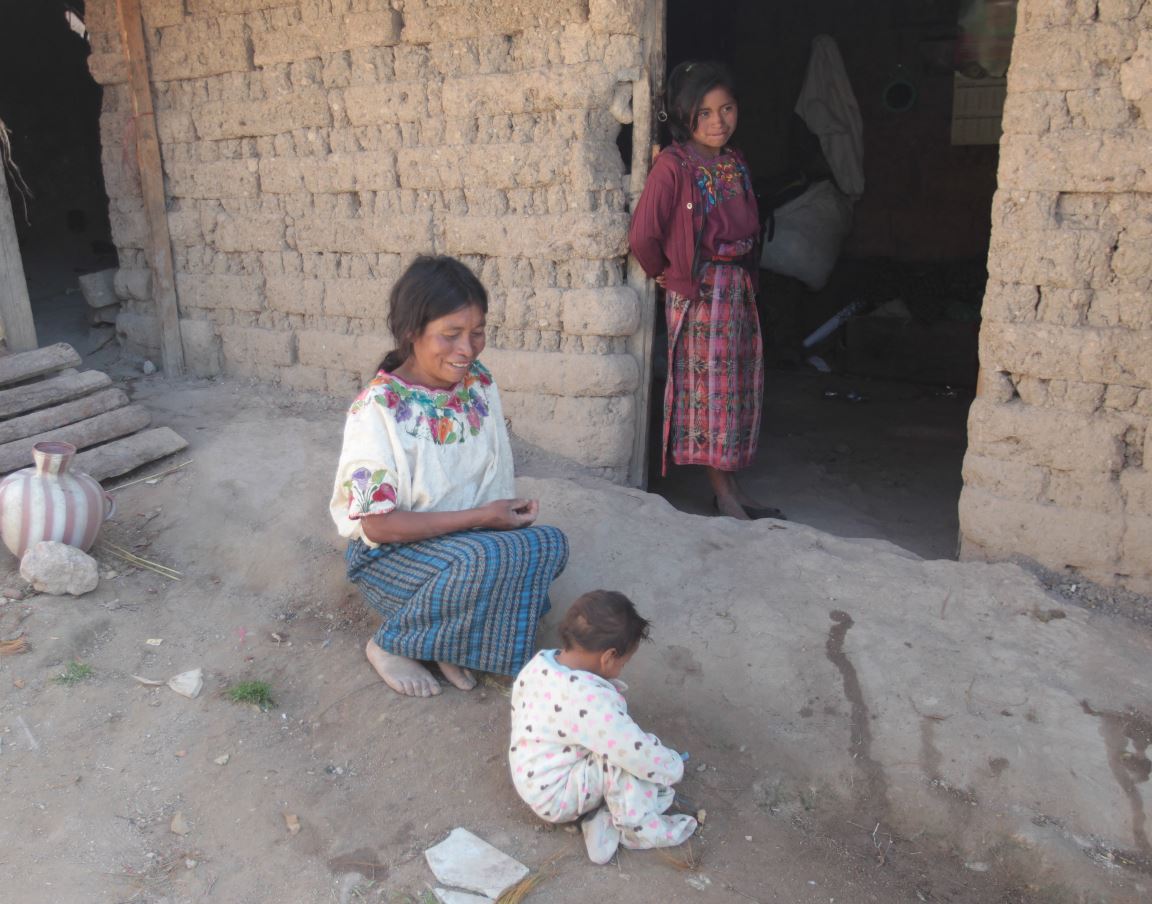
{"type": "Point", "coordinates": [370, 492]}
{"type": "Point", "coordinates": [723, 180]}
{"type": "Point", "coordinates": [445, 416]}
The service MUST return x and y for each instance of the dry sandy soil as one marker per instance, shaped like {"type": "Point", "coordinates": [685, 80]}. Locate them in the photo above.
{"type": "Point", "coordinates": [864, 725]}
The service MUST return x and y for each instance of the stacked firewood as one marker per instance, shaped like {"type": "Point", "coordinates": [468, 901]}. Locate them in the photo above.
{"type": "Point", "coordinates": [43, 397]}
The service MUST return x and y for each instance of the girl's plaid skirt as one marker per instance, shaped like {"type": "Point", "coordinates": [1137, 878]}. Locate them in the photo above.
{"type": "Point", "coordinates": [715, 387]}
{"type": "Point", "coordinates": [473, 598]}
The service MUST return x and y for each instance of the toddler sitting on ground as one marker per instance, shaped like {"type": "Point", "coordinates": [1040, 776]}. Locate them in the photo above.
{"type": "Point", "coordinates": [575, 750]}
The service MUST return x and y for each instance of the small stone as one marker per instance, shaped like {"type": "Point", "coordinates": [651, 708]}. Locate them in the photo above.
{"type": "Point", "coordinates": [701, 767]}
{"type": "Point", "coordinates": [57, 568]}
{"type": "Point", "coordinates": [109, 574]}
{"type": "Point", "coordinates": [190, 863]}
{"type": "Point", "coordinates": [148, 367]}
{"type": "Point", "coordinates": [222, 760]}
{"type": "Point", "coordinates": [180, 754]}
{"type": "Point", "coordinates": [188, 684]}
{"type": "Point", "coordinates": [18, 683]}
{"type": "Point", "coordinates": [292, 823]}
{"type": "Point", "coordinates": [977, 866]}
{"type": "Point", "coordinates": [464, 861]}
{"type": "Point", "coordinates": [179, 825]}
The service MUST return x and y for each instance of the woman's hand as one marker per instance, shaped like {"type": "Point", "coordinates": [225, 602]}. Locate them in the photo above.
{"type": "Point", "coordinates": [510, 514]}
{"type": "Point", "coordinates": [661, 281]}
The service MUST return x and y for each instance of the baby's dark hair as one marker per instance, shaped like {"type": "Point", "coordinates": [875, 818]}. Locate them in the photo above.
{"type": "Point", "coordinates": [431, 288]}
{"type": "Point", "coordinates": [687, 85]}
{"type": "Point", "coordinates": [603, 620]}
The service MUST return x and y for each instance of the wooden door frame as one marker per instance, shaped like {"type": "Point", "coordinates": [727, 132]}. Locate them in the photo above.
{"type": "Point", "coordinates": [15, 306]}
{"type": "Point", "coordinates": [645, 90]}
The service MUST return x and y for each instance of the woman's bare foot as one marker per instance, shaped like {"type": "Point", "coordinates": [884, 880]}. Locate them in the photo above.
{"type": "Point", "coordinates": [729, 505]}
{"type": "Point", "coordinates": [459, 677]}
{"type": "Point", "coordinates": [403, 675]}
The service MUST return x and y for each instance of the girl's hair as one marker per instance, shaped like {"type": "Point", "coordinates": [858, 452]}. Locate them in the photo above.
{"type": "Point", "coordinates": [431, 288]}
{"type": "Point", "coordinates": [687, 85]}
{"type": "Point", "coordinates": [603, 620]}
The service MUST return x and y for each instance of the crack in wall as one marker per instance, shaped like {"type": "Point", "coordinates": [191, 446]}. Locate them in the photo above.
{"type": "Point", "coordinates": [860, 738]}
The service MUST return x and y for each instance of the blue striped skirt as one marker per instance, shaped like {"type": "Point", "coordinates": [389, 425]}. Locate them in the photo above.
{"type": "Point", "coordinates": [473, 598]}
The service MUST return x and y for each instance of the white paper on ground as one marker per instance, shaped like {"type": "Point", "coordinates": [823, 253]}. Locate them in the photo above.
{"type": "Point", "coordinates": [464, 861]}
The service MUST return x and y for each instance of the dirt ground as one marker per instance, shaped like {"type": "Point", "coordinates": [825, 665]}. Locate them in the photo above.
{"type": "Point", "coordinates": [821, 686]}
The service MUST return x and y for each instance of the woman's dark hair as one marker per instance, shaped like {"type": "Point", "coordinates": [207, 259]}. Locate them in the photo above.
{"type": "Point", "coordinates": [431, 288]}
{"type": "Point", "coordinates": [603, 620]}
{"type": "Point", "coordinates": [687, 85]}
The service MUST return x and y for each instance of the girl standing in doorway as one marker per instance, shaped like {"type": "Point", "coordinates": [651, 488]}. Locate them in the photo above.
{"type": "Point", "coordinates": [695, 232]}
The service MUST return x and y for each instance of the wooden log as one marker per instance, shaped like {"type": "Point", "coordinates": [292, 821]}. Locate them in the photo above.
{"type": "Point", "coordinates": [152, 187]}
{"type": "Point", "coordinates": [82, 434]}
{"type": "Point", "coordinates": [51, 392]}
{"type": "Point", "coordinates": [28, 365]}
{"type": "Point", "coordinates": [128, 454]}
{"type": "Point", "coordinates": [15, 307]}
{"type": "Point", "coordinates": [62, 415]}
{"type": "Point", "coordinates": [649, 85]}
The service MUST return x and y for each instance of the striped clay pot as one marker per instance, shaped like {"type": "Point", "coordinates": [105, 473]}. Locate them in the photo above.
{"type": "Point", "coordinates": [48, 502]}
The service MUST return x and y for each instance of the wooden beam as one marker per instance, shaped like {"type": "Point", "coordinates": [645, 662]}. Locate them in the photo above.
{"type": "Point", "coordinates": [124, 455]}
{"type": "Point", "coordinates": [90, 432]}
{"type": "Point", "coordinates": [62, 415]}
{"type": "Point", "coordinates": [36, 363]}
{"type": "Point", "coordinates": [68, 385]}
{"type": "Point", "coordinates": [649, 86]}
{"type": "Point", "coordinates": [15, 308]}
{"type": "Point", "coordinates": [152, 185]}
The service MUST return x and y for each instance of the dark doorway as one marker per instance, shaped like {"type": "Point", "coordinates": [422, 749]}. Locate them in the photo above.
{"type": "Point", "coordinates": [864, 431]}
{"type": "Point", "coordinates": [51, 105]}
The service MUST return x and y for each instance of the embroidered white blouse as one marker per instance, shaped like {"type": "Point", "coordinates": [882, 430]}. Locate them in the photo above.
{"type": "Point", "coordinates": [418, 449]}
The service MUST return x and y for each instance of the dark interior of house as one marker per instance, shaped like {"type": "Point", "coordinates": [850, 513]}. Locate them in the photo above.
{"type": "Point", "coordinates": [890, 380]}
{"type": "Point", "coordinates": [51, 107]}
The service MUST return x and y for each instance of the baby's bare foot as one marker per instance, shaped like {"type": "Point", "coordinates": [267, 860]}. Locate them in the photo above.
{"type": "Point", "coordinates": [460, 677]}
{"type": "Point", "coordinates": [403, 675]}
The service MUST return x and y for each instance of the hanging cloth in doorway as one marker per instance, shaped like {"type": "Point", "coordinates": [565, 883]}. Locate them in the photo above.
{"type": "Point", "coordinates": [828, 107]}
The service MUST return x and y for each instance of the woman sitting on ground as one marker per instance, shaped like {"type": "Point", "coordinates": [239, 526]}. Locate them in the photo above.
{"type": "Point", "coordinates": [438, 545]}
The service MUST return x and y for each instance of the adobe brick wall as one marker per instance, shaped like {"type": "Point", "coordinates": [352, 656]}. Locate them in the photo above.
{"type": "Point", "coordinates": [1059, 462]}
{"type": "Point", "coordinates": [313, 147]}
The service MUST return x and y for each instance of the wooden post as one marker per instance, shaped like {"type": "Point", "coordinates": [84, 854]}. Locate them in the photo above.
{"type": "Point", "coordinates": [15, 308]}
{"type": "Point", "coordinates": [152, 184]}
{"type": "Point", "coordinates": [644, 90]}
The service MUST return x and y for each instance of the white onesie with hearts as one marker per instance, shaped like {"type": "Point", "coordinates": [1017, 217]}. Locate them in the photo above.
{"type": "Point", "coordinates": [575, 747]}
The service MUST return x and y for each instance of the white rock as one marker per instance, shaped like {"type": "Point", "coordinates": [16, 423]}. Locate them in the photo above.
{"type": "Point", "coordinates": [148, 367]}
{"type": "Point", "coordinates": [464, 861]}
{"type": "Point", "coordinates": [188, 684]}
{"type": "Point", "coordinates": [447, 896]}
{"type": "Point", "coordinates": [57, 568]}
